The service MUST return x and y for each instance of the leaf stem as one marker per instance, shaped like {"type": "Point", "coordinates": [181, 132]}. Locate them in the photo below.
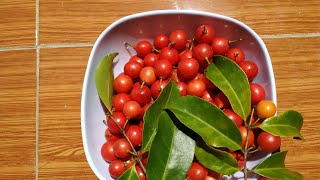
{"type": "Point", "coordinates": [132, 147]}
{"type": "Point", "coordinates": [245, 170]}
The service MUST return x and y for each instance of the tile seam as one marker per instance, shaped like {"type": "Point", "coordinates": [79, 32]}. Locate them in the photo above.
{"type": "Point", "coordinates": [38, 86]}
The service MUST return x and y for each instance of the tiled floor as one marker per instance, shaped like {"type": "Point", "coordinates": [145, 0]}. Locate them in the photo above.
{"type": "Point", "coordinates": [44, 48]}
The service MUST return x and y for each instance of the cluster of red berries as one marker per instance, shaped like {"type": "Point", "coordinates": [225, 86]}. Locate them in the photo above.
{"type": "Point", "coordinates": [182, 61]}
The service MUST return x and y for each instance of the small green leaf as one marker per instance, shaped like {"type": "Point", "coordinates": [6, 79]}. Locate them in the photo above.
{"type": "Point", "coordinates": [274, 167]}
{"type": "Point", "coordinates": [171, 152]}
{"type": "Point", "coordinates": [130, 174]}
{"type": "Point", "coordinates": [151, 117]}
{"type": "Point", "coordinates": [208, 121]}
{"type": "Point", "coordinates": [216, 160]}
{"type": "Point", "coordinates": [232, 81]}
{"type": "Point", "coordinates": [104, 80]}
{"type": "Point", "coordinates": [287, 125]}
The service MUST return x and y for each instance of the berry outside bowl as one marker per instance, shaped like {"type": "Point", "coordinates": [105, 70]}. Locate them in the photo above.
{"type": "Point", "coordinates": [147, 25]}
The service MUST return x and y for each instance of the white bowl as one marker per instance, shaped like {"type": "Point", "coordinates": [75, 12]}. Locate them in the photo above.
{"type": "Point", "coordinates": [146, 26]}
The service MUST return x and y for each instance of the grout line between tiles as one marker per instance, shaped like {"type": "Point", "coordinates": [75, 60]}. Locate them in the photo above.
{"type": "Point", "coordinates": [17, 48]}
{"type": "Point", "coordinates": [62, 45]}
{"type": "Point", "coordinates": [38, 86]}
{"type": "Point", "coordinates": [302, 35]}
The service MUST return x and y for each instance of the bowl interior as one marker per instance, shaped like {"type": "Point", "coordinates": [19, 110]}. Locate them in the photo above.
{"type": "Point", "coordinates": [146, 26]}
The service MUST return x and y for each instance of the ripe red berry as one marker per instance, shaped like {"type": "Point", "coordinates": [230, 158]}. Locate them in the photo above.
{"type": "Point", "coordinates": [122, 148]}
{"type": "Point", "coordinates": [244, 134]}
{"type": "Point", "coordinates": [151, 59]}
{"type": "Point", "coordinates": [208, 96]}
{"type": "Point", "coordinates": [116, 168]}
{"type": "Point", "coordinates": [132, 69]}
{"type": "Point", "coordinates": [143, 48]}
{"type": "Point", "coordinates": [220, 45]}
{"type": "Point", "coordinates": [188, 68]}
{"type": "Point", "coordinates": [202, 53]}
{"type": "Point", "coordinates": [250, 69]}
{"type": "Point", "coordinates": [137, 59]}
{"type": "Point", "coordinates": [268, 142]}
{"type": "Point", "coordinates": [204, 34]}
{"type": "Point", "coordinates": [265, 178]}
{"type": "Point", "coordinates": [170, 54]}
{"type": "Point", "coordinates": [178, 39]}
{"type": "Point", "coordinates": [234, 117]}
{"type": "Point", "coordinates": [160, 41]}
{"type": "Point", "coordinates": [197, 172]}
{"type": "Point", "coordinates": [163, 69]}
{"type": "Point", "coordinates": [119, 100]}
{"type": "Point", "coordinates": [222, 101]}
{"type": "Point", "coordinates": [236, 54]}
{"type": "Point", "coordinates": [107, 151]}
{"type": "Point", "coordinates": [148, 75]}
{"type": "Point", "coordinates": [196, 87]}
{"type": "Point", "coordinates": [122, 84]}
{"type": "Point", "coordinates": [132, 110]}
{"type": "Point", "coordinates": [141, 94]}
{"type": "Point", "coordinates": [156, 87]}
{"type": "Point", "coordinates": [120, 118]}
{"type": "Point", "coordinates": [140, 173]}
{"type": "Point", "coordinates": [257, 93]}
{"type": "Point", "coordinates": [111, 137]}
{"type": "Point", "coordinates": [134, 134]}
{"type": "Point", "coordinates": [186, 54]}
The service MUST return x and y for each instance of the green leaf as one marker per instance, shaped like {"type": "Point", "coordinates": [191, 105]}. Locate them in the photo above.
{"type": "Point", "coordinates": [151, 117]}
{"type": "Point", "coordinates": [216, 160]}
{"type": "Point", "coordinates": [287, 125]}
{"type": "Point", "coordinates": [208, 121]}
{"type": "Point", "coordinates": [130, 174]}
{"type": "Point", "coordinates": [274, 167]}
{"type": "Point", "coordinates": [104, 80]}
{"type": "Point", "coordinates": [171, 152]}
{"type": "Point", "coordinates": [232, 81]}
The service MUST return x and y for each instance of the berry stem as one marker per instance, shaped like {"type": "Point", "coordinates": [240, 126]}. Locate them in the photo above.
{"type": "Point", "coordinates": [232, 41]}
{"type": "Point", "coordinates": [246, 150]}
{"type": "Point", "coordinates": [127, 138]}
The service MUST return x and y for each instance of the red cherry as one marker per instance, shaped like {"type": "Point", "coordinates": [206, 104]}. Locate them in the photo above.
{"type": "Point", "coordinates": [143, 48]}
{"type": "Point", "coordinates": [151, 59]}
{"type": "Point", "coordinates": [137, 59]}
{"type": "Point", "coordinates": [220, 45]}
{"type": "Point", "coordinates": [222, 101]}
{"type": "Point", "coordinates": [268, 142]}
{"type": "Point", "coordinates": [197, 172]}
{"type": "Point", "coordinates": [208, 96]}
{"type": "Point", "coordinates": [257, 93]}
{"type": "Point", "coordinates": [188, 68]}
{"type": "Point", "coordinates": [128, 164]}
{"type": "Point", "coordinates": [209, 84]}
{"type": "Point", "coordinates": [213, 176]}
{"type": "Point", "coordinates": [163, 69]}
{"type": "Point", "coordinates": [144, 109]}
{"type": "Point", "coordinates": [156, 88]}
{"type": "Point", "coordinates": [119, 100]}
{"type": "Point", "coordinates": [170, 54]}
{"type": "Point", "coordinates": [141, 94]}
{"type": "Point", "coordinates": [250, 69]}
{"type": "Point", "coordinates": [182, 88]}
{"type": "Point", "coordinates": [236, 54]}
{"type": "Point", "coordinates": [109, 136]}
{"type": "Point", "coordinates": [186, 54]}
{"type": "Point", "coordinates": [196, 87]}
{"type": "Point", "coordinates": [120, 118]}
{"type": "Point", "coordinates": [233, 116]}
{"type": "Point", "coordinates": [202, 53]}
{"type": "Point", "coordinates": [122, 84]}
{"type": "Point", "coordinates": [122, 148]}
{"type": "Point", "coordinates": [140, 173]}
{"type": "Point", "coordinates": [136, 84]}
{"type": "Point", "coordinates": [244, 133]}
{"type": "Point", "coordinates": [116, 168]}
{"type": "Point", "coordinates": [265, 178]}
{"type": "Point", "coordinates": [148, 75]}
{"type": "Point", "coordinates": [175, 77]}
{"type": "Point", "coordinates": [178, 39]}
{"type": "Point", "coordinates": [107, 151]}
{"type": "Point", "coordinates": [160, 41]}
{"type": "Point", "coordinates": [132, 69]}
{"type": "Point", "coordinates": [134, 134]}
{"type": "Point", "coordinates": [205, 34]}
{"type": "Point", "coordinates": [132, 110]}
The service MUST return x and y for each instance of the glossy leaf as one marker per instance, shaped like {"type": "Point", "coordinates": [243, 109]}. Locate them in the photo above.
{"type": "Point", "coordinates": [216, 160]}
{"type": "Point", "coordinates": [274, 167]}
{"type": "Point", "coordinates": [104, 80]}
{"type": "Point", "coordinates": [170, 92]}
{"type": "Point", "coordinates": [171, 152]}
{"type": "Point", "coordinates": [288, 124]}
{"type": "Point", "coordinates": [232, 81]}
{"type": "Point", "coordinates": [208, 121]}
{"type": "Point", "coordinates": [130, 174]}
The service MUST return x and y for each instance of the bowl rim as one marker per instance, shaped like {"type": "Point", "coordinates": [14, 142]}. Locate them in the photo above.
{"type": "Point", "coordinates": [151, 13]}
